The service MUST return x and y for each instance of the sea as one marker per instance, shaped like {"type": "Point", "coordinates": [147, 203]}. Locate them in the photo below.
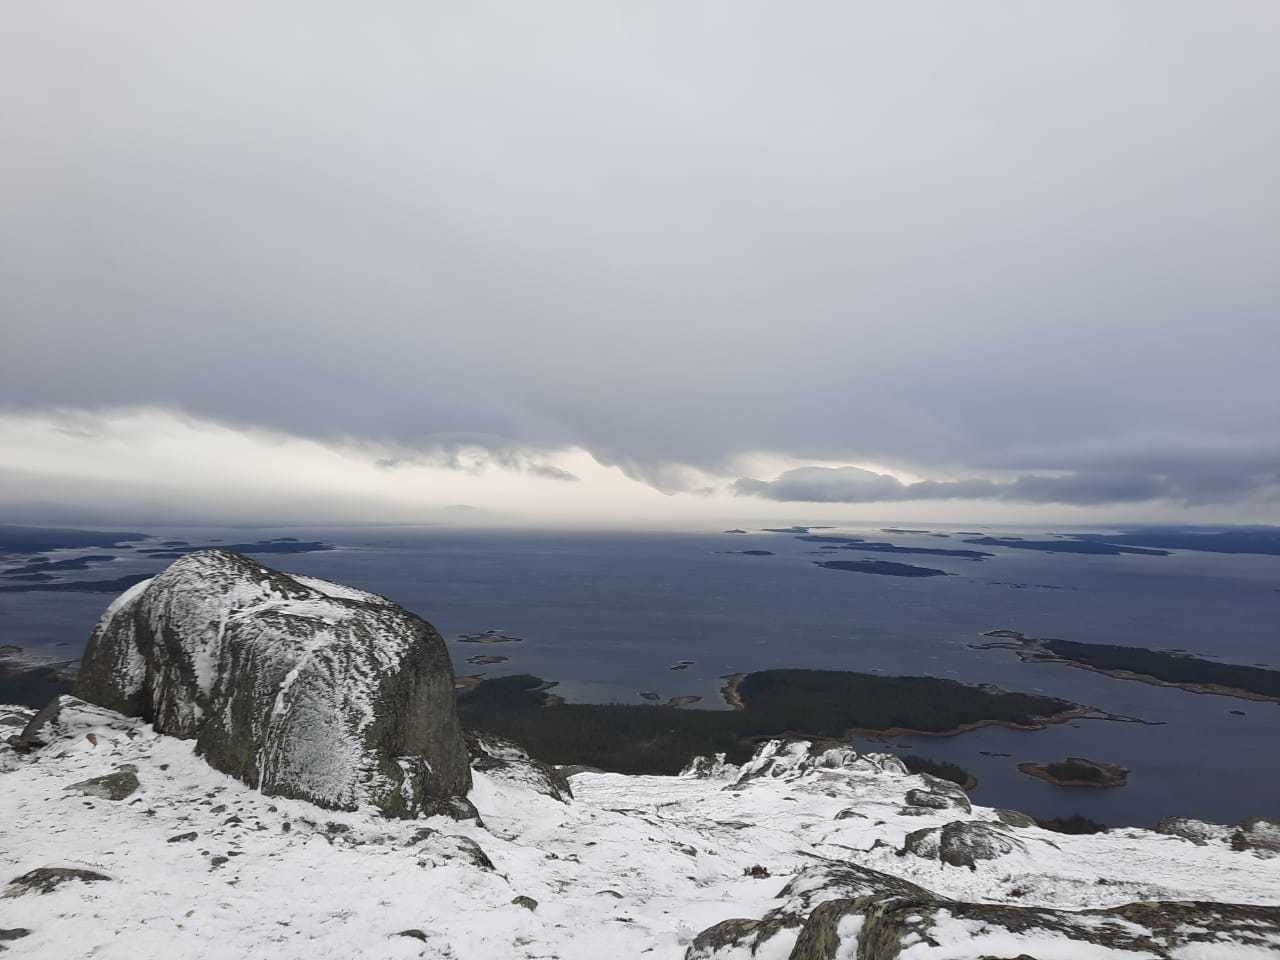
{"type": "Point", "coordinates": [608, 616]}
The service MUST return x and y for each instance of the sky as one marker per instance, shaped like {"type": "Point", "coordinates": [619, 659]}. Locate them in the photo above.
{"type": "Point", "coordinates": [640, 265]}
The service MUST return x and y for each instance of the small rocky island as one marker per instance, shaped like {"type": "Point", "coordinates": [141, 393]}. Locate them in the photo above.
{"type": "Point", "coordinates": [1077, 772]}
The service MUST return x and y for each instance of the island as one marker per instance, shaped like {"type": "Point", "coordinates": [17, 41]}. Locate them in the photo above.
{"type": "Point", "coordinates": [1091, 547]}
{"type": "Point", "coordinates": [1077, 772]}
{"type": "Point", "coordinates": [489, 636]}
{"type": "Point", "coordinates": [1158, 667]}
{"type": "Point", "coordinates": [876, 546]}
{"type": "Point", "coordinates": [883, 568]}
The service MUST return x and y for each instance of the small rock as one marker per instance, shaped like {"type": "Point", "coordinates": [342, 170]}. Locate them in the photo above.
{"type": "Point", "coordinates": [183, 837]}
{"type": "Point", "coordinates": [527, 902]}
{"type": "Point", "coordinates": [114, 786]}
{"type": "Point", "coordinates": [756, 872]}
{"type": "Point", "coordinates": [216, 862]}
{"type": "Point", "coordinates": [413, 932]}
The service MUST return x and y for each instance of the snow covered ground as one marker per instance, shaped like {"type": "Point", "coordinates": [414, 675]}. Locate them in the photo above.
{"type": "Point", "coordinates": [202, 866]}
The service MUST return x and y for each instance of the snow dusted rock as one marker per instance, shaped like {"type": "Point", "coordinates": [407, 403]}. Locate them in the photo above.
{"type": "Point", "coordinates": [111, 786]}
{"type": "Point", "coordinates": [507, 761]}
{"type": "Point", "coordinates": [710, 768]}
{"type": "Point", "coordinates": [1014, 818]}
{"type": "Point", "coordinates": [933, 928]}
{"type": "Point", "coordinates": [47, 879]}
{"type": "Point", "coordinates": [298, 687]}
{"type": "Point", "coordinates": [938, 794]}
{"type": "Point", "coordinates": [790, 760]}
{"type": "Point", "coordinates": [1260, 835]}
{"type": "Point", "coordinates": [961, 843]}
{"type": "Point", "coordinates": [68, 723]}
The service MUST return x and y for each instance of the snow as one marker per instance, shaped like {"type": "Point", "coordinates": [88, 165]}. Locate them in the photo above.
{"type": "Point", "coordinates": [633, 866]}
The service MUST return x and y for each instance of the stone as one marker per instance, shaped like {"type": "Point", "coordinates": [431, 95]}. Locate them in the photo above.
{"type": "Point", "coordinates": [298, 687]}
{"type": "Point", "coordinates": [113, 786]}
{"type": "Point", "coordinates": [527, 902]}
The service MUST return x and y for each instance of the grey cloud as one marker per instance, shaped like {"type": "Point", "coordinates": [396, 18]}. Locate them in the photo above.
{"type": "Point", "coordinates": [960, 238]}
{"type": "Point", "coordinates": [856, 485]}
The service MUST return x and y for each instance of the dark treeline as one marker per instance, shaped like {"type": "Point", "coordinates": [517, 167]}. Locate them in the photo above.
{"type": "Point", "coordinates": [1170, 667]}
{"type": "Point", "coordinates": [804, 703]}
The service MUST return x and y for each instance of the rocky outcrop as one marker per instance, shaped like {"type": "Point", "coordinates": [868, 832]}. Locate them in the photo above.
{"type": "Point", "coordinates": [1260, 835]}
{"type": "Point", "coordinates": [938, 794]}
{"type": "Point", "coordinates": [296, 686]}
{"type": "Point", "coordinates": [791, 760]}
{"type": "Point", "coordinates": [881, 927]}
{"type": "Point", "coordinates": [961, 843]}
{"type": "Point", "coordinates": [509, 762]}
{"type": "Point", "coordinates": [48, 879]}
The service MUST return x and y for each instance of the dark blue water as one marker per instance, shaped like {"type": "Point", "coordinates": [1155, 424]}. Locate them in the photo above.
{"type": "Point", "coordinates": [607, 615]}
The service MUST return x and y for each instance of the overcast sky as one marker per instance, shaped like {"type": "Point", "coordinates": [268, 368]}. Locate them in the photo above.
{"type": "Point", "coordinates": [633, 262]}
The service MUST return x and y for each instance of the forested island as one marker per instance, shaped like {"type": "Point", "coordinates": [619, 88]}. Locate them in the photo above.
{"type": "Point", "coordinates": [1077, 772]}
{"type": "Point", "coordinates": [632, 738]}
{"type": "Point", "coordinates": [1159, 667]}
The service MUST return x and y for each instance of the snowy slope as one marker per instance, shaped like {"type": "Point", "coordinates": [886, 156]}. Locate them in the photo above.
{"type": "Point", "coordinates": [630, 867]}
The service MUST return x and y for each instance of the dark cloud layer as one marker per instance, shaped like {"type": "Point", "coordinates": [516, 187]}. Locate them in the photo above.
{"type": "Point", "coordinates": [965, 239]}
{"type": "Point", "coordinates": [855, 485]}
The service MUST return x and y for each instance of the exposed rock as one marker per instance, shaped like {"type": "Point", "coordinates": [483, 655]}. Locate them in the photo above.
{"type": "Point", "coordinates": [1014, 818]}
{"type": "Point", "coordinates": [939, 794]}
{"type": "Point", "coordinates": [1260, 835]}
{"type": "Point", "coordinates": [889, 927]}
{"type": "Point", "coordinates": [709, 768]}
{"type": "Point", "coordinates": [527, 902]}
{"type": "Point", "coordinates": [506, 760]}
{"type": "Point", "coordinates": [183, 837]}
{"type": "Point", "coordinates": [68, 721]}
{"type": "Point", "coordinates": [295, 686]}
{"type": "Point", "coordinates": [1198, 832]}
{"type": "Point", "coordinates": [414, 934]}
{"type": "Point", "coordinates": [113, 786]}
{"type": "Point", "coordinates": [435, 848]}
{"type": "Point", "coordinates": [793, 759]}
{"type": "Point", "coordinates": [48, 879]}
{"type": "Point", "coordinates": [961, 843]}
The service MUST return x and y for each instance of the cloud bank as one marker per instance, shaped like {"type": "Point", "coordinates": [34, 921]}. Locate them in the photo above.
{"type": "Point", "coordinates": [856, 485]}
{"type": "Point", "coordinates": [968, 240]}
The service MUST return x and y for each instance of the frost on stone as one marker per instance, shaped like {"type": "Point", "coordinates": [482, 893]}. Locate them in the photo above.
{"type": "Point", "coordinates": [296, 686]}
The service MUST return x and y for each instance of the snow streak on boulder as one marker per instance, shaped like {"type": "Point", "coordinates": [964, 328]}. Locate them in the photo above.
{"type": "Point", "coordinates": [296, 686]}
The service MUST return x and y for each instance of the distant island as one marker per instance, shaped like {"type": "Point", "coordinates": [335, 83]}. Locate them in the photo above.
{"type": "Point", "coordinates": [884, 568]}
{"type": "Point", "coordinates": [1077, 772]}
{"type": "Point", "coordinates": [876, 546]}
{"type": "Point", "coordinates": [1092, 547]}
{"type": "Point", "coordinates": [1158, 667]}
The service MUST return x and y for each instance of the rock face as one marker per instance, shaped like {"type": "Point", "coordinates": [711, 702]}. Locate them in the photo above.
{"type": "Point", "coordinates": [296, 686]}
{"type": "Point", "coordinates": [882, 927]}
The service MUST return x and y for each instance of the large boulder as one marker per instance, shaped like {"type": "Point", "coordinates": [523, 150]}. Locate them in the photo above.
{"type": "Point", "coordinates": [296, 686]}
